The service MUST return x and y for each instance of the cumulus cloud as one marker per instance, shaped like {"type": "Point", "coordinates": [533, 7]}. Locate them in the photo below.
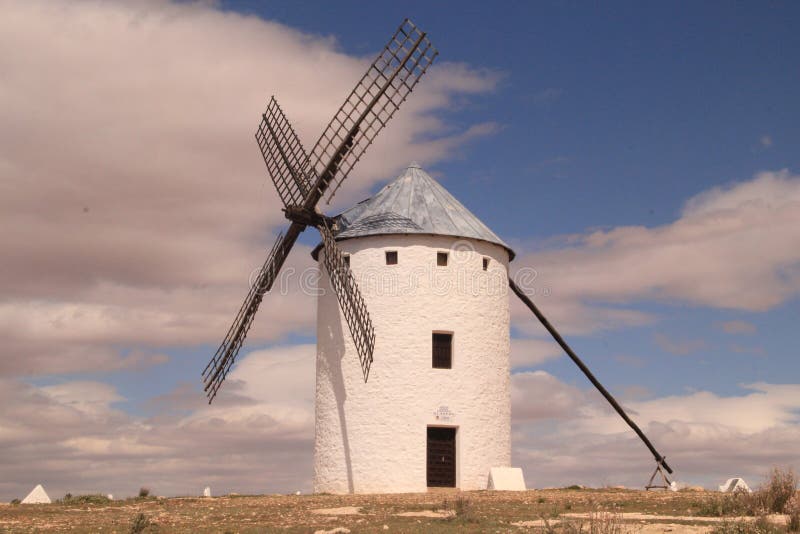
{"type": "Point", "coordinates": [71, 437]}
{"type": "Point", "coordinates": [706, 437]}
{"type": "Point", "coordinates": [528, 352]}
{"type": "Point", "coordinates": [133, 194]}
{"type": "Point", "coordinates": [735, 247]}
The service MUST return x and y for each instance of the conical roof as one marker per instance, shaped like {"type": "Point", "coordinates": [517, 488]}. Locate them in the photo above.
{"type": "Point", "coordinates": [414, 203]}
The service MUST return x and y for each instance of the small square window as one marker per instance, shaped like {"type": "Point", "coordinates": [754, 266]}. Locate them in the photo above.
{"type": "Point", "coordinates": [485, 264]}
{"type": "Point", "coordinates": [346, 259]}
{"type": "Point", "coordinates": [441, 259]}
{"type": "Point", "coordinates": [391, 257]}
{"type": "Point", "coordinates": [442, 351]}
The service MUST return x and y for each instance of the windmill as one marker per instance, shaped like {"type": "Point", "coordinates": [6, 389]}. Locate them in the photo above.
{"type": "Point", "coordinates": [302, 180]}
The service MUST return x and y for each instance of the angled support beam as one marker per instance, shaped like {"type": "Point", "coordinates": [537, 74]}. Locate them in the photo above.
{"type": "Point", "coordinates": [660, 460]}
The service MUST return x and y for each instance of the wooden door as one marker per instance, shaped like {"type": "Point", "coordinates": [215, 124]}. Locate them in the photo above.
{"type": "Point", "coordinates": [441, 457]}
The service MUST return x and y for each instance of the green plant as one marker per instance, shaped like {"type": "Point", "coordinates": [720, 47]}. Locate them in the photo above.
{"type": "Point", "coordinates": [144, 492]}
{"type": "Point", "coordinates": [139, 524]}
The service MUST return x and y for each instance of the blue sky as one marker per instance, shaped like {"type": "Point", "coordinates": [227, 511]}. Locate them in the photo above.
{"type": "Point", "coordinates": [611, 115]}
{"type": "Point", "coordinates": [641, 157]}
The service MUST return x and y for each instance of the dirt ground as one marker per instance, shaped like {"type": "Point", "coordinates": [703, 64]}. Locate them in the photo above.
{"type": "Point", "coordinates": [440, 511]}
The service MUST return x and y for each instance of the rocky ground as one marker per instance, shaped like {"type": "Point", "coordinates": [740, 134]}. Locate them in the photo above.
{"type": "Point", "coordinates": [560, 510]}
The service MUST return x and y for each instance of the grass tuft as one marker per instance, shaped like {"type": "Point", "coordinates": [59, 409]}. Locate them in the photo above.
{"type": "Point", "coordinates": [141, 523]}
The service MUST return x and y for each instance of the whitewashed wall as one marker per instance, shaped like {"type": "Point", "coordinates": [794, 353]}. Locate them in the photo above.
{"type": "Point", "coordinates": [371, 438]}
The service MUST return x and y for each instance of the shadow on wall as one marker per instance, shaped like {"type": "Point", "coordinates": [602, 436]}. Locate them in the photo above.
{"type": "Point", "coordinates": [335, 360]}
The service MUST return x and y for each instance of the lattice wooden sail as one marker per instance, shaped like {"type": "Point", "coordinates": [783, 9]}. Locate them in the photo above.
{"type": "Point", "coordinates": [287, 162]}
{"type": "Point", "coordinates": [302, 179]}
{"type": "Point", "coordinates": [377, 96]}
{"type": "Point", "coordinates": [217, 369]}
{"type": "Point", "coordinates": [350, 300]}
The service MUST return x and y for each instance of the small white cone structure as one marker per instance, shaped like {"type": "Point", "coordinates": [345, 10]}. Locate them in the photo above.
{"type": "Point", "coordinates": [37, 496]}
{"type": "Point", "coordinates": [735, 484]}
{"type": "Point", "coordinates": [207, 491]}
{"type": "Point", "coordinates": [506, 479]}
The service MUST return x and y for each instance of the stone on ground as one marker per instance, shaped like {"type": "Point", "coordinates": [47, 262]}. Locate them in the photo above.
{"type": "Point", "coordinates": [344, 510]}
{"type": "Point", "coordinates": [506, 479]}
{"type": "Point", "coordinates": [37, 496]}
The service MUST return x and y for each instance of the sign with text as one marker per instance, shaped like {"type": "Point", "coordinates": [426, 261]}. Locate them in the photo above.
{"type": "Point", "coordinates": [443, 413]}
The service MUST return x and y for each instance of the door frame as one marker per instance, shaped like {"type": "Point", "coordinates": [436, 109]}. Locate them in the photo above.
{"type": "Point", "coordinates": [456, 456]}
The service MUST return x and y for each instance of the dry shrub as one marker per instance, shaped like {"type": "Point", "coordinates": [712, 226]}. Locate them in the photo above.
{"type": "Point", "coordinates": [462, 509]}
{"type": "Point", "coordinates": [780, 487]}
{"type": "Point", "coordinates": [743, 526]}
{"type": "Point", "coordinates": [771, 497]}
{"type": "Point", "coordinates": [144, 492]}
{"type": "Point", "coordinates": [737, 503]}
{"type": "Point", "coordinates": [140, 524]}
{"type": "Point", "coordinates": [92, 498]}
{"type": "Point", "coordinates": [793, 509]}
{"type": "Point", "coordinates": [598, 522]}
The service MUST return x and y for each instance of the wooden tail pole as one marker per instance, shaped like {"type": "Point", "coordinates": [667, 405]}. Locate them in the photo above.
{"type": "Point", "coordinates": [660, 460]}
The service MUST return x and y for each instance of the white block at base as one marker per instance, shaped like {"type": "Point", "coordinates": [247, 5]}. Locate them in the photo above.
{"type": "Point", "coordinates": [506, 479]}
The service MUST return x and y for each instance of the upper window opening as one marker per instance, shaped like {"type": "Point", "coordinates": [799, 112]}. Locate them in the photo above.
{"type": "Point", "coordinates": [442, 351]}
{"type": "Point", "coordinates": [441, 259]}
{"type": "Point", "coordinates": [485, 264]}
{"type": "Point", "coordinates": [346, 259]}
{"type": "Point", "coordinates": [391, 257]}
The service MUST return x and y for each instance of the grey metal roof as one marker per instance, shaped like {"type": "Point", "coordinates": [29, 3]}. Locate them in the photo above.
{"type": "Point", "coordinates": [414, 203]}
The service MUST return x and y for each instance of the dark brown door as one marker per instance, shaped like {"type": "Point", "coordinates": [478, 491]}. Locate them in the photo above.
{"type": "Point", "coordinates": [441, 457]}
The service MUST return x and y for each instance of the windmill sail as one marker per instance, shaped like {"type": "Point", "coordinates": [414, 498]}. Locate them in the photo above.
{"type": "Point", "coordinates": [286, 160]}
{"type": "Point", "coordinates": [217, 369]}
{"type": "Point", "coordinates": [375, 99]}
{"type": "Point", "coordinates": [350, 300]}
{"type": "Point", "coordinates": [302, 179]}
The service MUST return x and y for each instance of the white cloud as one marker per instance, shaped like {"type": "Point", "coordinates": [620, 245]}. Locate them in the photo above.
{"type": "Point", "coordinates": [135, 195]}
{"type": "Point", "coordinates": [706, 437]}
{"type": "Point", "coordinates": [736, 247]}
{"type": "Point", "coordinates": [257, 437]}
{"type": "Point", "coordinates": [527, 352]}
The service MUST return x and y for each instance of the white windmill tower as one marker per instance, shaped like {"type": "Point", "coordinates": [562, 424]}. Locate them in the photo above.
{"type": "Point", "coordinates": [437, 411]}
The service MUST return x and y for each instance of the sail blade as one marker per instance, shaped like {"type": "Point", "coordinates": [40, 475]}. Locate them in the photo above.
{"type": "Point", "coordinates": [284, 155]}
{"type": "Point", "coordinates": [350, 300]}
{"type": "Point", "coordinates": [219, 366]}
{"type": "Point", "coordinates": [377, 96]}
